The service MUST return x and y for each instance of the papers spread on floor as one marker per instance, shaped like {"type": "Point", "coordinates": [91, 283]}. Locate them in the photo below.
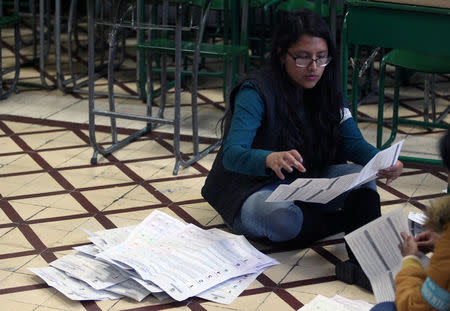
{"type": "Point", "coordinates": [375, 246]}
{"type": "Point", "coordinates": [162, 256]}
{"type": "Point", "coordinates": [323, 190]}
{"type": "Point", "coordinates": [336, 303]}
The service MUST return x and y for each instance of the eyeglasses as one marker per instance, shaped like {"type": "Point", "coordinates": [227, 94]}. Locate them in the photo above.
{"type": "Point", "coordinates": [304, 62]}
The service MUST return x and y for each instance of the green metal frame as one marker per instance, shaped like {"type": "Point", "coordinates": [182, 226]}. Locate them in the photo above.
{"type": "Point", "coordinates": [236, 47]}
{"type": "Point", "coordinates": [389, 25]}
{"type": "Point", "coordinates": [417, 61]}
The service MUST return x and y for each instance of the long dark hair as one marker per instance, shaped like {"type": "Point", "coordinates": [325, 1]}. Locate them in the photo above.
{"type": "Point", "coordinates": [310, 117]}
{"type": "Point", "coordinates": [315, 134]}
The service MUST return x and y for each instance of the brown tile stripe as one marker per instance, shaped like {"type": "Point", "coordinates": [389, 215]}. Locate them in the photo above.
{"type": "Point", "coordinates": [152, 190]}
{"type": "Point", "coordinates": [27, 60]}
{"type": "Point", "coordinates": [279, 291]}
{"type": "Point", "coordinates": [164, 306]}
{"type": "Point", "coordinates": [58, 177]}
{"type": "Point", "coordinates": [283, 294]}
{"type": "Point", "coordinates": [26, 231]}
{"type": "Point", "coordinates": [101, 128]}
{"type": "Point", "coordinates": [20, 289]}
{"type": "Point", "coordinates": [326, 254]}
{"type": "Point", "coordinates": [36, 252]}
{"type": "Point", "coordinates": [323, 279]}
{"type": "Point", "coordinates": [293, 302]}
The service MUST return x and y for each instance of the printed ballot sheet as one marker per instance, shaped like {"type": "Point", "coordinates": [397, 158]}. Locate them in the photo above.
{"type": "Point", "coordinates": [375, 245]}
{"type": "Point", "coordinates": [323, 190]}
{"type": "Point", "coordinates": [162, 256]}
{"type": "Point", "coordinates": [336, 303]}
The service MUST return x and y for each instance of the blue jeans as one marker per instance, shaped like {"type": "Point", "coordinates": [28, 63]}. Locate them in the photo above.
{"type": "Point", "coordinates": [384, 306]}
{"type": "Point", "coordinates": [283, 221]}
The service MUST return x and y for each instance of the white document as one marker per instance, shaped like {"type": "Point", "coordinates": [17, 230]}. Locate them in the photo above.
{"type": "Point", "coordinates": [375, 246]}
{"type": "Point", "coordinates": [416, 222]}
{"type": "Point", "coordinates": [336, 303]}
{"type": "Point", "coordinates": [108, 238]}
{"type": "Point", "coordinates": [130, 288]}
{"type": "Point", "coordinates": [190, 261]}
{"type": "Point", "coordinates": [419, 218]}
{"type": "Point", "coordinates": [97, 274]}
{"type": "Point", "coordinates": [163, 256]}
{"type": "Point", "coordinates": [353, 305]}
{"type": "Point", "coordinates": [323, 190]}
{"type": "Point", "coordinates": [89, 249]}
{"type": "Point", "coordinates": [228, 291]}
{"type": "Point", "coordinates": [322, 303]}
{"type": "Point", "coordinates": [70, 287]}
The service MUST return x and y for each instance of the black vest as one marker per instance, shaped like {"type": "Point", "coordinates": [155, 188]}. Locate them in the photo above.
{"type": "Point", "coordinates": [225, 190]}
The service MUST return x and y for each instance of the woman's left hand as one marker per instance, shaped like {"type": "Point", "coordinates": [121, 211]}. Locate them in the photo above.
{"type": "Point", "coordinates": [392, 172]}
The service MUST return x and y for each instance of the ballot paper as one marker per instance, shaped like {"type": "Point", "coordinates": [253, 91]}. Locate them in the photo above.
{"type": "Point", "coordinates": [336, 303]}
{"type": "Point", "coordinates": [416, 222]}
{"type": "Point", "coordinates": [375, 246]}
{"type": "Point", "coordinates": [71, 287]}
{"type": "Point", "coordinates": [323, 190]}
{"type": "Point", "coordinates": [188, 262]}
{"type": "Point", "coordinates": [162, 256]}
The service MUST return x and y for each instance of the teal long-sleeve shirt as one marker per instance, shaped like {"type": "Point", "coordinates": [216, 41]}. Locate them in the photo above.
{"type": "Point", "coordinates": [239, 156]}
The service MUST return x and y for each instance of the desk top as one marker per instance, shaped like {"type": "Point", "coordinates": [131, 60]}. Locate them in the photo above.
{"type": "Point", "coordinates": [400, 5]}
{"type": "Point", "coordinates": [432, 3]}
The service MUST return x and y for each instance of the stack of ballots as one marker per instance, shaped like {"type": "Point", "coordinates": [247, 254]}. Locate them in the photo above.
{"type": "Point", "coordinates": [162, 256]}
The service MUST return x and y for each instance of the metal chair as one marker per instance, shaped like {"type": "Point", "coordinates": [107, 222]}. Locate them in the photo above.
{"type": "Point", "coordinates": [175, 47]}
{"type": "Point", "coordinates": [196, 49]}
{"type": "Point", "coordinates": [11, 20]}
{"type": "Point", "coordinates": [419, 62]}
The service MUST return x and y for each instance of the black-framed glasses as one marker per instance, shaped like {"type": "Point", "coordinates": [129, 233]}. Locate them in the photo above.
{"type": "Point", "coordinates": [304, 62]}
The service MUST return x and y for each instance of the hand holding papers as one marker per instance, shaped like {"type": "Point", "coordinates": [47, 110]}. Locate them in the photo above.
{"type": "Point", "coordinates": [375, 246]}
{"type": "Point", "coordinates": [323, 190]}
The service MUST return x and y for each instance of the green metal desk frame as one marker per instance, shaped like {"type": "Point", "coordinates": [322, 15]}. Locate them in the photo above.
{"type": "Point", "coordinates": [390, 25]}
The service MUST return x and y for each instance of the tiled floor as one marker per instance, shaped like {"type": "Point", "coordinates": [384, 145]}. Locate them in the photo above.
{"type": "Point", "coordinates": [49, 192]}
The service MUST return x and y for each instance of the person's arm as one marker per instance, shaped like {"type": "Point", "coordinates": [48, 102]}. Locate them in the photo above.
{"type": "Point", "coordinates": [239, 156]}
{"type": "Point", "coordinates": [247, 116]}
{"type": "Point", "coordinates": [355, 147]}
{"type": "Point", "coordinates": [359, 151]}
{"type": "Point", "coordinates": [407, 286]}
{"type": "Point", "coordinates": [410, 278]}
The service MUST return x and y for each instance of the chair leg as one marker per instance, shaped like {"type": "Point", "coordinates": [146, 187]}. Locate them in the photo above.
{"type": "Point", "coordinates": [355, 86]}
{"type": "Point", "coordinates": [395, 105]}
{"type": "Point", "coordinates": [433, 96]}
{"type": "Point", "coordinates": [380, 103]}
{"type": "Point", "coordinates": [426, 95]}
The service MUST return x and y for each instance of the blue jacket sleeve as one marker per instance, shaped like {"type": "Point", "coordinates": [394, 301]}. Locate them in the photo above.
{"type": "Point", "coordinates": [238, 154]}
{"type": "Point", "coordinates": [355, 147]}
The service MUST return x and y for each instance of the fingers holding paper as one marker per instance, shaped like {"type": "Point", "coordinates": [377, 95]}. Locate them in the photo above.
{"type": "Point", "coordinates": [391, 173]}
{"type": "Point", "coordinates": [409, 245]}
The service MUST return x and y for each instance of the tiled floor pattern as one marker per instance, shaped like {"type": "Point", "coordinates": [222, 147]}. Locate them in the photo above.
{"type": "Point", "coordinates": [49, 192]}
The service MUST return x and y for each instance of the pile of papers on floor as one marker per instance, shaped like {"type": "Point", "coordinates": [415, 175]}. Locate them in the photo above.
{"type": "Point", "coordinates": [162, 256]}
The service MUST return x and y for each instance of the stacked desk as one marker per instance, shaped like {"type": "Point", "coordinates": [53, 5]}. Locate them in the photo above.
{"type": "Point", "coordinates": [392, 25]}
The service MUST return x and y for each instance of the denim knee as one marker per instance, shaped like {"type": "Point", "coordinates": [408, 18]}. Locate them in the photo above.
{"type": "Point", "coordinates": [285, 224]}
{"type": "Point", "coordinates": [277, 221]}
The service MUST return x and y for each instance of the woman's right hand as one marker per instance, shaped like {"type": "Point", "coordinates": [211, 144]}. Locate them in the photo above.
{"type": "Point", "coordinates": [427, 240]}
{"type": "Point", "coordinates": [287, 160]}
